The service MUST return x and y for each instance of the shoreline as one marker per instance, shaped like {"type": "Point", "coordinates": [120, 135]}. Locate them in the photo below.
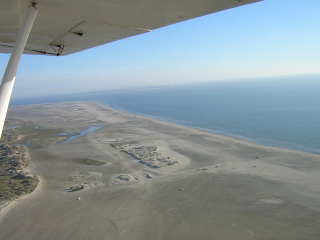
{"type": "Point", "coordinates": [159, 178]}
{"type": "Point", "coordinates": [215, 132]}
{"type": "Point", "coordinates": [226, 134]}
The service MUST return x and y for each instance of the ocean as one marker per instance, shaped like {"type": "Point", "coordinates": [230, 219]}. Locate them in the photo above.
{"type": "Point", "coordinates": [281, 112]}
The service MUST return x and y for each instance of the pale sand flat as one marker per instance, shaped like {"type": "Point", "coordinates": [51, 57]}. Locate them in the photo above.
{"type": "Point", "coordinates": [222, 187]}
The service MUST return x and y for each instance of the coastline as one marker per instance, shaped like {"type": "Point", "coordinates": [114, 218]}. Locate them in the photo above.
{"type": "Point", "coordinates": [214, 132]}
{"type": "Point", "coordinates": [248, 114]}
{"type": "Point", "coordinates": [160, 179]}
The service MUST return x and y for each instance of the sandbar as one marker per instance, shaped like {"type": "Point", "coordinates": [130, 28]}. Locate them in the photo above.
{"type": "Point", "coordinates": [160, 181]}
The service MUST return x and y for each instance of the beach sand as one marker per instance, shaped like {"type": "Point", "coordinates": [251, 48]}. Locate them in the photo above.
{"type": "Point", "coordinates": [161, 181]}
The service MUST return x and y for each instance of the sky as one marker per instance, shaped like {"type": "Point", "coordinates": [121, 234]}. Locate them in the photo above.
{"type": "Point", "coordinates": [269, 38]}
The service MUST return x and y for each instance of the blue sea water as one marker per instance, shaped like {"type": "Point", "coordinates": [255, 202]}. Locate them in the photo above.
{"type": "Point", "coordinates": [281, 112]}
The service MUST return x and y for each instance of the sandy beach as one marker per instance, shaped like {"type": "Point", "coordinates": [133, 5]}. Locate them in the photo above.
{"type": "Point", "coordinates": [158, 181]}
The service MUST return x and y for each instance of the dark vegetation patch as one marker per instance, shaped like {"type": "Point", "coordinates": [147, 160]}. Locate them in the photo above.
{"type": "Point", "coordinates": [92, 162]}
{"type": "Point", "coordinates": [123, 144]}
{"type": "Point", "coordinates": [15, 180]}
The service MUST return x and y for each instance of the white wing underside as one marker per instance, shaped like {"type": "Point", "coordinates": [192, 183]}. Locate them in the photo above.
{"type": "Point", "coordinates": [64, 27]}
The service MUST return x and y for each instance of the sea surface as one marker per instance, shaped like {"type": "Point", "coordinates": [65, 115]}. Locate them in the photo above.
{"type": "Point", "coordinates": [281, 112]}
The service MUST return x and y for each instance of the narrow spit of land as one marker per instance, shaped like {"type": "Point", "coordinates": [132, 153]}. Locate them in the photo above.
{"type": "Point", "coordinates": [134, 177]}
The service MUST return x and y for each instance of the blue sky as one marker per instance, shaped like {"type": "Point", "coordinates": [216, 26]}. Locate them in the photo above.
{"type": "Point", "coordinates": [269, 38]}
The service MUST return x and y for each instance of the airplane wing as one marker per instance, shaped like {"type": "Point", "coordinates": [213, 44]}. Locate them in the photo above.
{"type": "Point", "coordinates": [64, 27]}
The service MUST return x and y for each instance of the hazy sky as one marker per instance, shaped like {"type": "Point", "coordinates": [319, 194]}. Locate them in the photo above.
{"type": "Point", "coordinates": [269, 38]}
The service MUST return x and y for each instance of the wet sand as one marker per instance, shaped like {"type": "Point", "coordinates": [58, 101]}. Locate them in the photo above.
{"type": "Point", "coordinates": [162, 181]}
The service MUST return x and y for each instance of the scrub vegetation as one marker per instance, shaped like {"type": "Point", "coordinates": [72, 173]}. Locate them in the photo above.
{"type": "Point", "coordinates": [93, 162]}
{"type": "Point", "coordinates": [31, 134]}
{"type": "Point", "coordinates": [15, 179]}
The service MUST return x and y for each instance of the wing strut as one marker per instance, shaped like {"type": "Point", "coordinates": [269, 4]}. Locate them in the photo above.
{"type": "Point", "coordinates": [11, 70]}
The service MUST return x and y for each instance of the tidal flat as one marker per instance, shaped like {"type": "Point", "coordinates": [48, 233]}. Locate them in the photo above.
{"type": "Point", "coordinates": [135, 177]}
